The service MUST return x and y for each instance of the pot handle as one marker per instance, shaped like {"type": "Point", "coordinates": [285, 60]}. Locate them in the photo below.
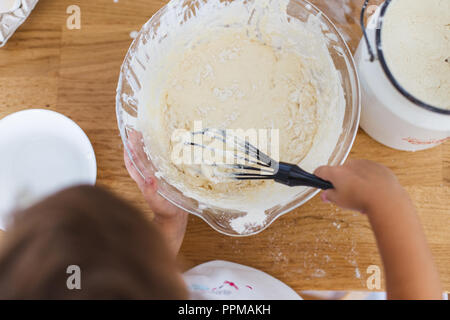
{"type": "Point", "coordinates": [363, 27]}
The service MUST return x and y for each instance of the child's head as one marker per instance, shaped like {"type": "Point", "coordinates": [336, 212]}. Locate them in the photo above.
{"type": "Point", "coordinates": [120, 253]}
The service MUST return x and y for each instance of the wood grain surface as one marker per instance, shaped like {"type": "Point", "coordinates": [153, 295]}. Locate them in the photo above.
{"type": "Point", "coordinates": [317, 246]}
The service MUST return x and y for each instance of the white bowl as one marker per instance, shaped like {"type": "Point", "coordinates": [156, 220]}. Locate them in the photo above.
{"type": "Point", "coordinates": [42, 152]}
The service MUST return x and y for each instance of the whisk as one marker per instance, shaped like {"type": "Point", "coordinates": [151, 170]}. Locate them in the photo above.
{"type": "Point", "coordinates": [253, 164]}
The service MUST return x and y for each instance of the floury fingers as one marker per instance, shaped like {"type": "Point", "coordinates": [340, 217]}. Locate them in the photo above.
{"type": "Point", "coordinates": [12, 14]}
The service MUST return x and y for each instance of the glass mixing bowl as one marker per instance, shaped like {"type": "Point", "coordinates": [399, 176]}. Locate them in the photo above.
{"type": "Point", "coordinates": [127, 102]}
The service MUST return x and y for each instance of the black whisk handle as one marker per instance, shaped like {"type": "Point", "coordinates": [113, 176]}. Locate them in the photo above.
{"type": "Point", "coordinates": [292, 175]}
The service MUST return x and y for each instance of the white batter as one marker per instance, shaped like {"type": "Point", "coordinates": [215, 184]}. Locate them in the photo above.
{"type": "Point", "coordinates": [246, 69]}
{"type": "Point", "coordinates": [235, 82]}
{"type": "Point", "coordinates": [416, 43]}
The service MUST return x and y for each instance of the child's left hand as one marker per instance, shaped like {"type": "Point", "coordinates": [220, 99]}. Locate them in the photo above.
{"type": "Point", "coordinates": [171, 220]}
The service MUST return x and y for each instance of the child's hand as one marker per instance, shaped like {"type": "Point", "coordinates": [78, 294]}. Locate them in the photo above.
{"type": "Point", "coordinates": [171, 220]}
{"type": "Point", "coordinates": [373, 189]}
{"type": "Point", "coordinates": [361, 185]}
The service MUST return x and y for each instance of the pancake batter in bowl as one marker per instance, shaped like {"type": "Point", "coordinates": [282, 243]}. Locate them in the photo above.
{"type": "Point", "coordinates": [253, 67]}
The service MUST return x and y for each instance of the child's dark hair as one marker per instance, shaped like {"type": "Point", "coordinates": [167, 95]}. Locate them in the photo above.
{"type": "Point", "coordinates": [120, 253]}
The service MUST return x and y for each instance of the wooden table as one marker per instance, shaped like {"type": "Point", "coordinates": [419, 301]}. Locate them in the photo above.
{"type": "Point", "coordinates": [317, 246]}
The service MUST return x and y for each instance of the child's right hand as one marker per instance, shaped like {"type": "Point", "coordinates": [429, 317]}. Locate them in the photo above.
{"type": "Point", "coordinates": [361, 185]}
